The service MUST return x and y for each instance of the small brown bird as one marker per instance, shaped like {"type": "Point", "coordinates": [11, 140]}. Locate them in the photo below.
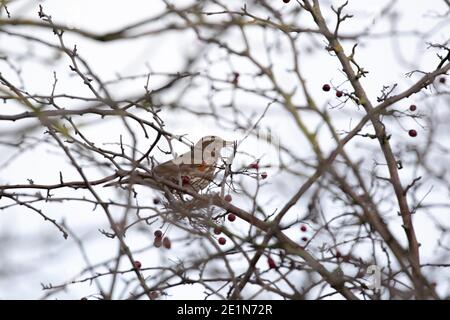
{"type": "Point", "coordinates": [194, 169]}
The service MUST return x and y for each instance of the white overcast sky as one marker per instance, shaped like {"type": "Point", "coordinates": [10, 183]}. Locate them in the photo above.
{"type": "Point", "coordinates": [31, 251]}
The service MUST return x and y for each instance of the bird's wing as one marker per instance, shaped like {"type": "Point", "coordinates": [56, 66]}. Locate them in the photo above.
{"type": "Point", "coordinates": [170, 169]}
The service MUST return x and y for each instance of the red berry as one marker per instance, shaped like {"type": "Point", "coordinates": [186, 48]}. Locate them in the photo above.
{"type": "Point", "coordinates": [185, 180]}
{"type": "Point", "coordinates": [218, 230]}
{"type": "Point", "coordinates": [254, 165]}
{"type": "Point", "coordinates": [167, 243]}
{"type": "Point", "coordinates": [338, 254]}
{"type": "Point", "coordinates": [154, 295]}
{"type": "Point", "coordinates": [157, 242]}
{"type": "Point", "coordinates": [137, 264]}
{"type": "Point", "coordinates": [442, 80]}
{"type": "Point", "coordinates": [156, 201]}
{"type": "Point", "coordinates": [326, 87]}
{"type": "Point", "coordinates": [304, 239]}
{"type": "Point", "coordinates": [413, 107]}
{"type": "Point", "coordinates": [231, 217]}
{"type": "Point", "coordinates": [412, 133]}
{"type": "Point", "coordinates": [236, 76]}
{"type": "Point", "coordinates": [339, 93]}
{"type": "Point", "coordinates": [222, 241]}
{"type": "Point", "coordinates": [158, 234]}
{"type": "Point", "coordinates": [303, 228]}
{"type": "Point", "coordinates": [228, 198]}
{"type": "Point", "coordinates": [263, 175]}
{"type": "Point", "coordinates": [271, 263]}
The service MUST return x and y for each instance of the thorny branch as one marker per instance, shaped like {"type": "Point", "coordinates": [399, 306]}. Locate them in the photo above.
{"type": "Point", "coordinates": [345, 203]}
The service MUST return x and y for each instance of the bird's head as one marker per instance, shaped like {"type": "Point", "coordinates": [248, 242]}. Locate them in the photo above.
{"type": "Point", "coordinates": [208, 148]}
{"type": "Point", "coordinates": [213, 142]}
{"type": "Point", "coordinates": [205, 151]}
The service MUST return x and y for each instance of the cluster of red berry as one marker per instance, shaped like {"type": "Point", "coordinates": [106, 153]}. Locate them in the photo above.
{"type": "Point", "coordinates": [412, 133]}
{"type": "Point", "coordinates": [326, 87]}
{"type": "Point", "coordinates": [218, 229]}
{"type": "Point", "coordinates": [161, 241]}
{"type": "Point", "coordinates": [255, 165]}
{"type": "Point", "coordinates": [303, 228]}
{"type": "Point", "coordinates": [158, 242]}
